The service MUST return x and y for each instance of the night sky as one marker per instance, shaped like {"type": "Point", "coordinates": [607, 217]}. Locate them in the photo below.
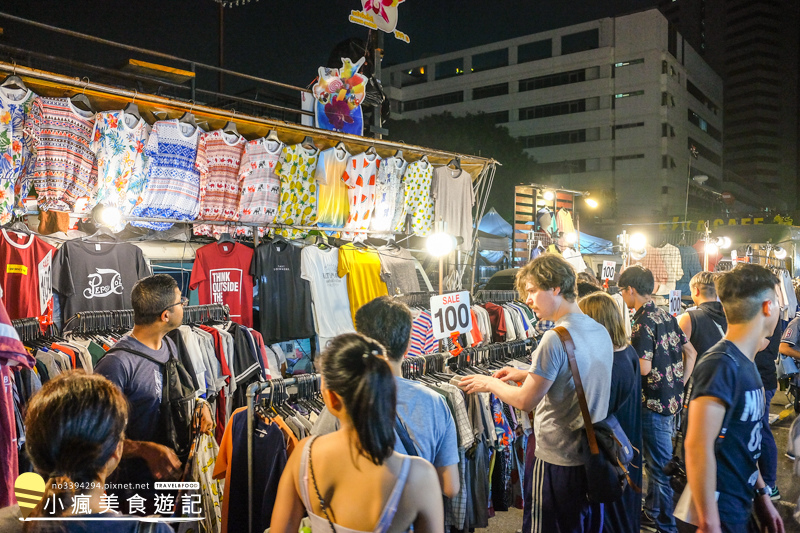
{"type": "Point", "coordinates": [282, 40]}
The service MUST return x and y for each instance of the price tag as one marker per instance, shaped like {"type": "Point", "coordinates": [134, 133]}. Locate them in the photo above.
{"type": "Point", "coordinates": [674, 302]}
{"type": "Point", "coordinates": [451, 314]}
{"type": "Point", "coordinates": [609, 269]}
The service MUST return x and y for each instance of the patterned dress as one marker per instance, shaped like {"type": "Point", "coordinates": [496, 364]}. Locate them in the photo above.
{"type": "Point", "coordinates": [66, 167]}
{"type": "Point", "coordinates": [298, 203]}
{"type": "Point", "coordinates": [219, 156]}
{"type": "Point", "coordinates": [417, 200]}
{"type": "Point", "coordinates": [15, 148]}
{"type": "Point", "coordinates": [120, 159]}
{"type": "Point", "coordinates": [172, 189]}
{"type": "Point", "coordinates": [261, 185]}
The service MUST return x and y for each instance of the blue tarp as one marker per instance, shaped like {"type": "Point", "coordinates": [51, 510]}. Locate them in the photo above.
{"type": "Point", "coordinates": [595, 245]}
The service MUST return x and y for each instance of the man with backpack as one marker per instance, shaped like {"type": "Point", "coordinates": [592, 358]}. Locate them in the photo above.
{"type": "Point", "coordinates": [137, 366]}
{"type": "Point", "coordinates": [726, 408]}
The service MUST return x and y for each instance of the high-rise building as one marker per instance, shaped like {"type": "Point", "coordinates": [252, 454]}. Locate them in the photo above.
{"type": "Point", "coordinates": [753, 45]}
{"type": "Point", "coordinates": [612, 106]}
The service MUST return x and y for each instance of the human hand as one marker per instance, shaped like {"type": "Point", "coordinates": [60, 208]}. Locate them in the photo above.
{"type": "Point", "coordinates": [162, 461]}
{"type": "Point", "coordinates": [508, 373]}
{"type": "Point", "coordinates": [206, 420]}
{"type": "Point", "coordinates": [477, 383]}
{"type": "Point", "coordinates": [768, 516]}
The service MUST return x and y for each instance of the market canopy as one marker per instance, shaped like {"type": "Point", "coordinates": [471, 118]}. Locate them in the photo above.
{"type": "Point", "coordinates": [595, 245]}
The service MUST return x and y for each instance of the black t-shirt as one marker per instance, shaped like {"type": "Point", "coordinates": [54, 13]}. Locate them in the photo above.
{"type": "Point", "coordinates": [726, 373]}
{"type": "Point", "coordinates": [765, 360]}
{"type": "Point", "coordinates": [625, 401]}
{"type": "Point", "coordinates": [97, 276]}
{"type": "Point", "coordinates": [284, 297]}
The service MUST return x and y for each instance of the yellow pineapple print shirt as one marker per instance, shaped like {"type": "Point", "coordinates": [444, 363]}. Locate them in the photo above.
{"type": "Point", "coordinates": [298, 202]}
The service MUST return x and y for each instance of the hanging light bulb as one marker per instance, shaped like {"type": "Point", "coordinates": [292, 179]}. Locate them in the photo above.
{"type": "Point", "coordinates": [638, 242]}
{"type": "Point", "coordinates": [780, 252]}
{"type": "Point", "coordinates": [549, 196]}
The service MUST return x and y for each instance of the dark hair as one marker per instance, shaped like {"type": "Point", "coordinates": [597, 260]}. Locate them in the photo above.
{"type": "Point", "coordinates": [73, 427]}
{"type": "Point", "coordinates": [150, 296]}
{"type": "Point", "coordinates": [587, 284]}
{"type": "Point", "coordinates": [639, 278]}
{"type": "Point", "coordinates": [387, 321]}
{"type": "Point", "coordinates": [354, 368]}
{"type": "Point", "coordinates": [704, 281]}
{"type": "Point", "coordinates": [549, 271]}
{"type": "Point", "coordinates": [743, 289]}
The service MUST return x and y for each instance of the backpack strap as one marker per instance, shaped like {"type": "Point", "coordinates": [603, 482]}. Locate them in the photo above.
{"type": "Point", "coordinates": [405, 438]}
{"type": "Point", "coordinates": [140, 354]}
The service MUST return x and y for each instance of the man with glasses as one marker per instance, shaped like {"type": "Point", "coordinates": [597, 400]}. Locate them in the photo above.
{"type": "Point", "coordinates": [157, 310]}
{"type": "Point", "coordinates": [662, 349]}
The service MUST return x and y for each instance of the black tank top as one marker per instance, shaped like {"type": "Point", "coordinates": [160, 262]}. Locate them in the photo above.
{"type": "Point", "coordinates": [705, 331]}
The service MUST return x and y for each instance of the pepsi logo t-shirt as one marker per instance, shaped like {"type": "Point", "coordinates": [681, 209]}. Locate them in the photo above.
{"type": "Point", "coordinates": [221, 274]}
{"type": "Point", "coordinates": [97, 276]}
{"type": "Point", "coordinates": [727, 374]}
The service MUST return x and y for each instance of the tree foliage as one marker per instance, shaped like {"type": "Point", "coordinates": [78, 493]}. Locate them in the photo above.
{"type": "Point", "coordinates": [473, 135]}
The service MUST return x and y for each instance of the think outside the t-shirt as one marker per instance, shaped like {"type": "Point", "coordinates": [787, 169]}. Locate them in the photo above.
{"type": "Point", "coordinates": [727, 374]}
{"type": "Point", "coordinates": [221, 273]}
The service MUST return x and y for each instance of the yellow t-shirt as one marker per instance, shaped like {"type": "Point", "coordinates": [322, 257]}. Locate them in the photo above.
{"type": "Point", "coordinates": [363, 270]}
{"type": "Point", "coordinates": [333, 205]}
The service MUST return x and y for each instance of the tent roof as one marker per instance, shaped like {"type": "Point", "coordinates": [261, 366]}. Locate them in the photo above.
{"type": "Point", "coordinates": [595, 245]}
{"type": "Point", "coordinates": [494, 224]}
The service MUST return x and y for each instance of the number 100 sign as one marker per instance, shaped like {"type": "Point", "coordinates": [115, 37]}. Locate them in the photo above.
{"type": "Point", "coordinates": [450, 314]}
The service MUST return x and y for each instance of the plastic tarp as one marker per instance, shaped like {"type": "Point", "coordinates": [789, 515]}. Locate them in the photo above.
{"type": "Point", "coordinates": [494, 236]}
{"type": "Point", "coordinates": [595, 245]}
{"type": "Point", "coordinates": [494, 224]}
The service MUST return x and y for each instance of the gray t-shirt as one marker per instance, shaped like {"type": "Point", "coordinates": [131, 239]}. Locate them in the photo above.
{"type": "Point", "coordinates": [426, 417]}
{"type": "Point", "coordinates": [558, 424]}
{"type": "Point", "coordinates": [398, 271]}
{"type": "Point", "coordinates": [452, 192]}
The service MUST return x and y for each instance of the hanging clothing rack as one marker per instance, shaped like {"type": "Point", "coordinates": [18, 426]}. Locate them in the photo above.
{"type": "Point", "coordinates": [417, 299]}
{"type": "Point", "coordinates": [277, 386]}
{"type": "Point", "coordinates": [30, 329]}
{"type": "Point", "coordinates": [496, 296]}
{"type": "Point", "coordinates": [121, 320]}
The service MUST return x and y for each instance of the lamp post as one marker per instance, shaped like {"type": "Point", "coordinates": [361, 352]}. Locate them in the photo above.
{"type": "Point", "coordinates": [693, 153]}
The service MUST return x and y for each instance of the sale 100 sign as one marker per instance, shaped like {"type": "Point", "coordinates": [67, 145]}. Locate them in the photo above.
{"type": "Point", "coordinates": [450, 314]}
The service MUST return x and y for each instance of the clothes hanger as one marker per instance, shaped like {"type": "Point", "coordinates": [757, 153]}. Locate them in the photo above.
{"type": "Point", "coordinates": [371, 151]}
{"type": "Point", "coordinates": [19, 227]}
{"type": "Point", "coordinates": [399, 154]}
{"type": "Point", "coordinates": [230, 127]}
{"type": "Point", "coordinates": [456, 163]}
{"type": "Point", "coordinates": [226, 237]}
{"type": "Point", "coordinates": [188, 117]}
{"type": "Point", "coordinates": [424, 159]}
{"type": "Point", "coordinates": [81, 101]}
{"type": "Point", "coordinates": [272, 136]}
{"type": "Point", "coordinates": [308, 143]}
{"type": "Point", "coordinates": [102, 231]}
{"type": "Point", "coordinates": [132, 108]}
{"type": "Point", "coordinates": [13, 81]}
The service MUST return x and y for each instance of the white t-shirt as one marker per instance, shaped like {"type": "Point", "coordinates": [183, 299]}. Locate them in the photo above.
{"type": "Point", "coordinates": [558, 423]}
{"type": "Point", "coordinates": [330, 302]}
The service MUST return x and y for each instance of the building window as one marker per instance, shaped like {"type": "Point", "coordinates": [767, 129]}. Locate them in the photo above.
{"type": "Point", "coordinates": [433, 101]}
{"type": "Point", "coordinates": [498, 117]}
{"type": "Point", "coordinates": [580, 42]}
{"type": "Point", "coordinates": [535, 51]}
{"type": "Point", "coordinates": [574, 166]}
{"type": "Point", "coordinates": [667, 99]}
{"type": "Point", "coordinates": [672, 41]}
{"type": "Point", "coordinates": [413, 76]}
{"type": "Point", "coordinates": [489, 91]}
{"type": "Point", "coordinates": [554, 139]}
{"type": "Point", "coordinates": [692, 89]}
{"type": "Point", "coordinates": [668, 162]}
{"type": "Point", "coordinates": [705, 152]}
{"type": "Point", "coordinates": [667, 130]}
{"type": "Point", "coordinates": [490, 60]}
{"type": "Point", "coordinates": [450, 69]}
{"type": "Point", "coordinates": [625, 95]}
{"type": "Point", "coordinates": [552, 110]}
{"type": "Point", "coordinates": [630, 125]}
{"type": "Point", "coordinates": [629, 63]}
{"type": "Point", "coordinates": [552, 80]}
{"type": "Point", "coordinates": [701, 123]}
{"type": "Point", "coordinates": [626, 157]}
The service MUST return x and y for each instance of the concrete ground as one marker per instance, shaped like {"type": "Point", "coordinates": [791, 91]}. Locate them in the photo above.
{"type": "Point", "coordinates": [511, 521]}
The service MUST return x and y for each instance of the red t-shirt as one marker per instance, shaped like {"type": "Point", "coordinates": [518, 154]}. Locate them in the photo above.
{"type": "Point", "coordinates": [25, 279]}
{"type": "Point", "coordinates": [221, 273]}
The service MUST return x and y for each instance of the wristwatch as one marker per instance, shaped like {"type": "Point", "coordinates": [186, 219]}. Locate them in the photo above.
{"type": "Point", "coordinates": [763, 491]}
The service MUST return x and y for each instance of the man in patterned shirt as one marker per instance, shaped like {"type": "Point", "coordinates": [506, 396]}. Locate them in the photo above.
{"type": "Point", "coordinates": [662, 347]}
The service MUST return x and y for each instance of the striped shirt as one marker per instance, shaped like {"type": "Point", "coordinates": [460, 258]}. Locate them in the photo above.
{"type": "Point", "coordinates": [219, 155]}
{"type": "Point", "coordinates": [422, 341]}
{"type": "Point", "coordinates": [172, 189]}
{"type": "Point", "coordinates": [66, 167]}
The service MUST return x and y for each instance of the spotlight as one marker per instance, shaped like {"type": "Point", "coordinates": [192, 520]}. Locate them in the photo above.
{"type": "Point", "coordinates": [440, 244]}
{"type": "Point", "coordinates": [108, 216]}
{"type": "Point", "coordinates": [571, 237]}
{"type": "Point", "coordinates": [711, 248]}
{"type": "Point", "coordinates": [723, 242]}
{"type": "Point", "coordinates": [549, 196]}
{"type": "Point", "coordinates": [591, 202]}
{"type": "Point", "coordinates": [638, 242]}
{"type": "Point", "coordinates": [780, 253]}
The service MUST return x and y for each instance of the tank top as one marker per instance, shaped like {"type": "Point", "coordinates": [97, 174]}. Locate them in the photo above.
{"type": "Point", "coordinates": [706, 332]}
{"type": "Point", "coordinates": [320, 523]}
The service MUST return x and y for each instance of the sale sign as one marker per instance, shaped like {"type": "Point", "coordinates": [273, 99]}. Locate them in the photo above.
{"type": "Point", "coordinates": [451, 314]}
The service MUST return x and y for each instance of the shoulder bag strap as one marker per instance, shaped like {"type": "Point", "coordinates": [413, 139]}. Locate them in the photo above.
{"type": "Point", "coordinates": [569, 346]}
{"type": "Point", "coordinates": [405, 438]}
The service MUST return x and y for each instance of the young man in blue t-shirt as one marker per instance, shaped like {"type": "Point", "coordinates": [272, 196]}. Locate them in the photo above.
{"type": "Point", "coordinates": [726, 407]}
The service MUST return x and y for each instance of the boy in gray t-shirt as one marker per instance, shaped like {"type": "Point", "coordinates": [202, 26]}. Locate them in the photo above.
{"type": "Point", "coordinates": [559, 479]}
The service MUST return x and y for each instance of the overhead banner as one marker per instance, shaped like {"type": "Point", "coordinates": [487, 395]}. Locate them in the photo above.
{"type": "Point", "coordinates": [379, 15]}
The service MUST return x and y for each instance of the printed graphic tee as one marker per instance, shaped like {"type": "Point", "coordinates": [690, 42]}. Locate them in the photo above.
{"type": "Point", "coordinates": [417, 200]}
{"type": "Point", "coordinates": [97, 276]}
{"type": "Point", "coordinates": [219, 155]}
{"type": "Point", "coordinates": [261, 185]}
{"type": "Point", "coordinates": [15, 147]}
{"type": "Point", "coordinates": [360, 177]}
{"type": "Point", "coordinates": [26, 262]}
{"type": "Point", "coordinates": [298, 203]}
{"type": "Point", "coordinates": [221, 273]}
{"type": "Point", "coordinates": [284, 297]}
{"type": "Point", "coordinates": [328, 291]}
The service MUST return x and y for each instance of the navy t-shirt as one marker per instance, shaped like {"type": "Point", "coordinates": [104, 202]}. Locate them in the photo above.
{"type": "Point", "coordinates": [726, 373]}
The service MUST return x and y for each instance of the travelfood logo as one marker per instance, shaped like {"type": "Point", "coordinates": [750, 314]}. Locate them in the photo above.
{"type": "Point", "coordinates": [29, 491]}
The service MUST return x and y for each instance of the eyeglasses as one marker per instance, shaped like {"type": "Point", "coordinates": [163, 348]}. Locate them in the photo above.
{"type": "Point", "coordinates": [184, 300]}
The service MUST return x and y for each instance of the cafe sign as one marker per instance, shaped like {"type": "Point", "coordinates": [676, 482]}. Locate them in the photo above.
{"type": "Point", "coordinates": [700, 225]}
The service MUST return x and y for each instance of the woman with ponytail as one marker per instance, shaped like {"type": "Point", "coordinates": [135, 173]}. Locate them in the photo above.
{"type": "Point", "coordinates": [74, 431]}
{"type": "Point", "coordinates": [351, 480]}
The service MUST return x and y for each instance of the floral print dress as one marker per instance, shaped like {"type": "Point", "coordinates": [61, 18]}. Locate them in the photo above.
{"type": "Point", "coordinates": [417, 200]}
{"type": "Point", "coordinates": [15, 148]}
{"type": "Point", "coordinates": [298, 203]}
{"type": "Point", "coordinates": [121, 159]}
